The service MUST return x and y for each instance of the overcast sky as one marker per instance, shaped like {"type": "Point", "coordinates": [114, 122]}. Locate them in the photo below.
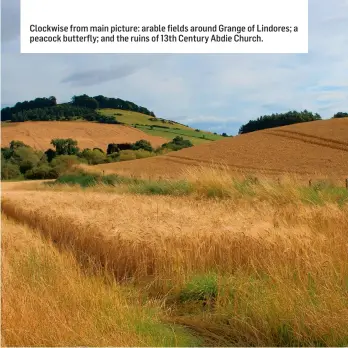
{"type": "Point", "coordinates": [215, 92]}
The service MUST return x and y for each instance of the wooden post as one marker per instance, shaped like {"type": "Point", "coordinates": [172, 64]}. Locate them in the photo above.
{"type": "Point", "coordinates": [310, 182]}
{"type": "Point", "coordinates": [347, 183]}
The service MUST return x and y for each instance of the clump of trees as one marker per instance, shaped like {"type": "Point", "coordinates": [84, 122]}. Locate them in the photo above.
{"type": "Point", "coordinates": [81, 106]}
{"type": "Point", "coordinates": [177, 143]}
{"type": "Point", "coordinates": [277, 120]}
{"type": "Point", "coordinates": [20, 161]}
{"type": "Point", "coordinates": [138, 145]}
{"type": "Point", "coordinates": [340, 115]}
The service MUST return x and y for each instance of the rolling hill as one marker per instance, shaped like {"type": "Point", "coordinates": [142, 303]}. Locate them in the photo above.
{"type": "Point", "coordinates": [160, 127]}
{"type": "Point", "coordinates": [313, 148]}
{"type": "Point", "coordinates": [39, 134]}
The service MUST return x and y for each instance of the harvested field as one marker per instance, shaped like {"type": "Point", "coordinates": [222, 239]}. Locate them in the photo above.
{"type": "Point", "coordinates": [317, 148]}
{"type": "Point", "coordinates": [88, 134]}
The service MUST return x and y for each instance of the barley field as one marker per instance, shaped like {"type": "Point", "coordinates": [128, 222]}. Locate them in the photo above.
{"type": "Point", "coordinates": [259, 265]}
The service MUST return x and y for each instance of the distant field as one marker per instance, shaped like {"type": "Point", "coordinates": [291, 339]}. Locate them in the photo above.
{"type": "Point", "coordinates": [155, 128]}
{"type": "Point", "coordinates": [313, 148]}
{"type": "Point", "coordinates": [88, 134]}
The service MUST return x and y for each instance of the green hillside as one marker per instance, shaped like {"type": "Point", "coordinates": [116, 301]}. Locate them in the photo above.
{"type": "Point", "coordinates": [160, 127]}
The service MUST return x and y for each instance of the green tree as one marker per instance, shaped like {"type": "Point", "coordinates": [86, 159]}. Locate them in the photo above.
{"type": "Point", "coordinates": [25, 157]}
{"type": "Point", "coordinates": [142, 144]}
{"type": "Point", "coordinates": [43, 171]}
{"type": "Point", "coordinates": [177, 143]}
{"type": "Point", "coordinates": [340, 115]}
{"type": "Point", "coordinates": [64, 163]}
{"type": "Point", "coordinates": [15, 144]}
{"type": "Point", "coordinates": [93, 156]}
{"type": "Point", "coordinates": [50, 154]}
{"type": "Point", "coordinates": [65, 146]}
{"type": "Point", "coordinates": [9, 170]}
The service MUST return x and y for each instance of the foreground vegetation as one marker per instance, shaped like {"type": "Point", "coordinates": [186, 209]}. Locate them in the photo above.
{"type": "Point", "coordinates": [216, 183]}
{"type": "Point", "coordinates": [48, 300]}
{"type": "Point", "coordinates": [242, 263]}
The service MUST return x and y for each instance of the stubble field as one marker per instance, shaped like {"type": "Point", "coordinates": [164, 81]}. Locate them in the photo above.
{"type": "Point", "coordinates": [88, 134]}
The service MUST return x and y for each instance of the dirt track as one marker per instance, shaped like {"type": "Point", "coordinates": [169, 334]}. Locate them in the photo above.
{"type": "Point", "coordinates": [89, 135]}
{"type": "Point", "coordinates": [316, 148]}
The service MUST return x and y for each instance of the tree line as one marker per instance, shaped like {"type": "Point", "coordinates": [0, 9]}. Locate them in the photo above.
{"type": "Point", "coordinates": [82, 106]}
{"type": "Point", "coordinates": [284, 119]}
{"type": "Point", "coordinates": [20, 161]}
{"type": "Point", "coordinates": [278, 120]}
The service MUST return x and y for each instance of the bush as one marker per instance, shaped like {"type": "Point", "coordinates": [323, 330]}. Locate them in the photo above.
{"type": "Point", "coordinates": [9, 171]}
{"type": "Point", "coordinates": [127, 155]}
{"type": "Point", "coordinates": [93, 156]}
{"type": "Point", "coordinates": [64, 163]}
{"type": "Point", "coordinates": [142, 144]}
{"type": "Point", "coordinates": [41, 172]}
{"type": "Point", "coordinates": [143, 154]}
{"type": "Point", "coordinates": [177, 143]}
{"type": "Point", "coordinates": [114, 157]}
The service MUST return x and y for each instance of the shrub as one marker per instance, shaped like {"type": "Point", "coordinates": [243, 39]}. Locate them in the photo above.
{"type": "Point", "coordinates": [93, 156]}
{"type": "Point", "coordinates": [177, 143]}
{"type": "Point", "coordinates": [9, 170]}
{"type": "Point", "coordinates": [64, 163]}
{"type": "Point", "coordinates": [143, 154]}
{"type": "Point", "coordinates": [127, 155]}
{"type": "Point", "coordinates": [41, 172]}
{"type": "Point", "coordinates": [142, 144]}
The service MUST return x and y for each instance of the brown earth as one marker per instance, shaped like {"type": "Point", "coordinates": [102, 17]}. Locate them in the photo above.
{"type": "Point", "coordinates": [316, 148]}
{"type": "Point", "coordinates": [88, 134]}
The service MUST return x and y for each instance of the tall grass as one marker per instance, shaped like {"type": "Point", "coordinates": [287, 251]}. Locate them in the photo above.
{"type": "Point", "coordinates": [48, 300]}
{"type": "Point", "coordinates": [238, 273]}
{"type": "Point", "coordinates": [218, 183]}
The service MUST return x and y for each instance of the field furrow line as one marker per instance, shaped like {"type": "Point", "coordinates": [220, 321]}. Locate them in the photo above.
{"type": "Point", "coordinates": [302, 138]}
{"type": "Point", "coordinates": [339, 142]}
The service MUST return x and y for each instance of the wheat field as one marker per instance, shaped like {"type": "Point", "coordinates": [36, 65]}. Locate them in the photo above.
{"type": "Point", "coordinates": [264, 270]}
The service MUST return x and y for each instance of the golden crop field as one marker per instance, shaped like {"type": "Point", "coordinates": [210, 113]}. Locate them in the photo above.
{"type": "Point", "coordinates": [39, 134]}
{"type": "Point", "coordinates": [314, 149]}
{"type": "Point", "coordinates": [92, 266]}
{"type": "Point", "coordinates": [207, 255]}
